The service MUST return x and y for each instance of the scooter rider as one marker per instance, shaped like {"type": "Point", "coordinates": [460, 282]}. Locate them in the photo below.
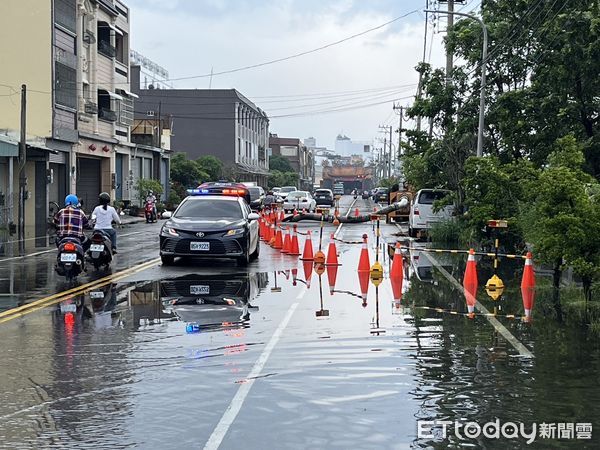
{"type": "Point", "coordinates": [71, 221]}
{"type": "Point", "coordinates": [105, 215]}
{"type": "Point", "coordinates": [151, 198]}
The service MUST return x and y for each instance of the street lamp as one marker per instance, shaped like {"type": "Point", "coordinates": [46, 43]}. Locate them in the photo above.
{"type": "Point", "coordinates": [483, 64]}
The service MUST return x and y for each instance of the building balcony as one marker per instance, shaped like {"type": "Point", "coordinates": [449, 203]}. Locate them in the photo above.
{"type": "Point", "coordinates": [107, 114]}
{"type": "Point", "coordinates": [106, 49]}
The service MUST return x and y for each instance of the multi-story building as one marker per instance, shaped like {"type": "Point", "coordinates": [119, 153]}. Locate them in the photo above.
{"type": "Point", "coordinates": [344, 146]}
{"type": "Point", "coordinates": [218, 122]}
{"type": "Point", "coordinates": [101, 158]}
{"type": "Point", "coordinates": [74, 63]}
{"type": "Point", "coordinates": [301, 158]}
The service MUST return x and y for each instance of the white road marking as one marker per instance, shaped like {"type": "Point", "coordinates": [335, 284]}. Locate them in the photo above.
{"type": "Point", "coordinates": [347, 214]}
{"type": "Point", "coordinates": [518, 345]}
{"type": "Point", "coordinates": [217, 436]}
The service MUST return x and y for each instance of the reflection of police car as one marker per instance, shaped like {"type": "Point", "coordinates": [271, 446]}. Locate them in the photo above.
{"type": "Point", "coordinates": [211, 299]}
{"type": "Point", "coordinates": [214, 222]}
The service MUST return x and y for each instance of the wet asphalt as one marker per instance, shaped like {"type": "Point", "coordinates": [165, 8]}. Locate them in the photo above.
{"type": "Point", "coordinates": [271, 356]}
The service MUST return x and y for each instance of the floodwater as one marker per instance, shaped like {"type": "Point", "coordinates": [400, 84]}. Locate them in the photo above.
{"type": "Point", "coordinates": [156, 364]}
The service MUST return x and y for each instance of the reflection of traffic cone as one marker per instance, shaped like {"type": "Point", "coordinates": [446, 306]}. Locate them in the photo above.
{"type": "Point", "coordinates": [278, 239]}
{"type": "Point", "coordinates": [470, 283]}
{"type": "Point", "coordinates": [332, 259]}
{"type": "Point", "coordinates": [332, 277]}
{"type": "Point", "coordinates": [308, 267]}
{"type": "Point", "coordinates": [307, 255]}
{"type": "Point", "coordinates": [294, 248]}
{"type": "Point", "coordinates": [364, 265]}
{"type": "Point", "coordinates": [528, 287]}
{"type": "Point", "coordinates": [363, 279]}
{"type": "Point", "coordinates": [397, 273]}
{"type": "Point", "coordinates": [294, 276]}
{"type": "Point", "coordinates": [286, 241]}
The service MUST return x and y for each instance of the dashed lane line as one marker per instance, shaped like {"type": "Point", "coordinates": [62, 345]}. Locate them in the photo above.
{"type": "Point", "coordinates": [217, 436]}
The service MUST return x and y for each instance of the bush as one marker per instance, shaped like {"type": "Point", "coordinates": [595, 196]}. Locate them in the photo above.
{"type": "Point", "coordinates": [446, 232]}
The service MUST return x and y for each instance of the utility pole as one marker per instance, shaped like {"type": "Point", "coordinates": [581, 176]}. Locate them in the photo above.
{"type": "Point", "coordinates": [22, 162]}
{"type": "Point", "coordinates": [400, 119]}
{"type": "Point", "coordinates": [484, 57]}
{"type": "Point", "coordinates": [449, 55]}
{"type": "Point", "coordinates": [388, 128]}
{"type": "Point", "coordinates": [420, 85]}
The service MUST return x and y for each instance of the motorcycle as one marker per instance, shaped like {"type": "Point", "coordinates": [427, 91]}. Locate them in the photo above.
{"type": "Point", "coordinates": [100, 251]}
{"type": "Point", "coordinates": [70, 261]}
{"type": "Point", "coordinates": [150, 212]}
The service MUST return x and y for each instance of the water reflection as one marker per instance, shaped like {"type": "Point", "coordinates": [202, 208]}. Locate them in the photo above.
{"type": "Point", "coordinates": [212, 302]}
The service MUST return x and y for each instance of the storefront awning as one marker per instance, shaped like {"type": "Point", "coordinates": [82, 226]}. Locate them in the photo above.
{"type": "Point", "coordinates": [10, 147]}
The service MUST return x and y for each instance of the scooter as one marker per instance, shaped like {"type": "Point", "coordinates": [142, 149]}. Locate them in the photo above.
{"type": "Point", "coordinates": [100, 251]}
{"type": "Point", "coordinates": [150, 212]}
{"type": "Point", "coordinates": [70, 261]}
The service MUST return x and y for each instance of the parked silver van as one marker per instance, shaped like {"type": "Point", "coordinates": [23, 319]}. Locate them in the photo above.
{"type": "Point", "coordinates": [421, 216]}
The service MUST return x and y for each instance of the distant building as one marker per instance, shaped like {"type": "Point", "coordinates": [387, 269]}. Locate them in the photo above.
{"type": "Point", "coordinates": [344, 146]}
{"type": "Point", "coordinates": [218, 122]}
{"type": "Point", "coordinates": [300, 157]}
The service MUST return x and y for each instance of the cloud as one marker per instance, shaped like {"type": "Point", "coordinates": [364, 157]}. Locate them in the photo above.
{"type": "Point", "coordinates": [191, 37]}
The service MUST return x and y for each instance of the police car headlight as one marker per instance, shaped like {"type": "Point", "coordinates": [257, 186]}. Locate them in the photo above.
{"type": "Point", "coordinates": [235, 232]}
{"type": "Point", "coordinates": [169, 231]}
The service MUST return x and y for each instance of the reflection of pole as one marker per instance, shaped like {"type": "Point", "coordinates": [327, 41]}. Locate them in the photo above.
{"type": "Point", "coordinates": [484, 56]}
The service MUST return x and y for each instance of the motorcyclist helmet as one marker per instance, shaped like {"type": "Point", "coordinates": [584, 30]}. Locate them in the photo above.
{"type": "Point", "coordinates": [104, 198]}
{"type": "Point", "coordinates": [150, 193]}
{"type": "Point", "coordinates": [72, 200]}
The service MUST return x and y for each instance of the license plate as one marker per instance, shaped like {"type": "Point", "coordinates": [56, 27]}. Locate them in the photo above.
{"type": "Point", "coordinates": [71, 307]}
{"type": "Point", "coordinates": [200, 290]}
{"type": "Point", "coordinates": [68, 257]}
{"type": "Point", "coordinates": [200, 246]}
{"type": "Point", "coordinates": [97, 247]}
{"type": "Point", "coordinates": [96, 294]}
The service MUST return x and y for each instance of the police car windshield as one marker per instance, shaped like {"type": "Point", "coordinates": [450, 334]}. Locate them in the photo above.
{"type": "Point", "coordinates": [199, 208]}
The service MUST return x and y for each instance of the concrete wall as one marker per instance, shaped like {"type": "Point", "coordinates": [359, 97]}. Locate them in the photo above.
{"type": "Point", "coordinates": [26, 58]}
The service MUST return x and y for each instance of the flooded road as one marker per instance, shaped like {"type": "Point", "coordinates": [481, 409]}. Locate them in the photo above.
{"type": "Point", "coordinates": [286, 355]}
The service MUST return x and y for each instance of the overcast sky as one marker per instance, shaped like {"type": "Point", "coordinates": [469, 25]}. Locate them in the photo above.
{"type": "Point", "coordinates": [191, 37]}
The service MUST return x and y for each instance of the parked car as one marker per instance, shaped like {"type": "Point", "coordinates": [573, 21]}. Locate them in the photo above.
{"type": "Point", "coordinates": [422, 215]}
{"type": "Point", "coordinates": [285, 190]}
{"type": "Point", "coordinates": [324, 197]}
{"type": "Point", "coordinates": [299, 200]}
{"type": "Point", "coordinates": [257, 197]}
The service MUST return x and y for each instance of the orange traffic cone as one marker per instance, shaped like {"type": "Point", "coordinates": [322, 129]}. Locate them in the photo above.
{"type": "Point", "coordinates": [281, 216]}
{"type": "Point", "coordinates": [356, 213]}
{"type": "Point", "coordinates": [470, 283]}
{"type": "Point", "coordinates": [332, 259]}
{"type": "Point", "coordinates": [363, 279]}
{"type": "Point", "coordinates": [307, 254]}
{"type": "Point", "coordinates": [308, 268]}
{"type": "Point", "coordinates": [278, 244]}
{"type": "Point", "coordinates": [528, 287]}
{"type": "Point", "coordinates": [294, 248]}
{"type": "Point", "coordinates": [332, 277]}
{"type": "Point", "coordinates": [286, 241]}
{"type": "Point", "coordinates": [397, 273]}
{"type": "Point", "coordinates": [295, 212]}
{"type": "Point", "coordinates": [364, 265]}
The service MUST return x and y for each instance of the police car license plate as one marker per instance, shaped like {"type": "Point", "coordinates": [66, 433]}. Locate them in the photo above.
{"type": "Point", "coordinates": [200, 290]}
{"type": "Point", "coordinates": [200, 246]}
{"type": "Point", "coordinates": [96, 247]}
{"type": "Point", "coordinates": [68, 257]}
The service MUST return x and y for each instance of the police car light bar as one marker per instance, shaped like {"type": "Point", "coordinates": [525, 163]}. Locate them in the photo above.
{"type": "Point", "coordinates": [236, 192]}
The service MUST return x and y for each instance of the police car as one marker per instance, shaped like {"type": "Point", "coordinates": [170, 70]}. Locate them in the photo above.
{"type": "Point", "coordinates": [214, 221]}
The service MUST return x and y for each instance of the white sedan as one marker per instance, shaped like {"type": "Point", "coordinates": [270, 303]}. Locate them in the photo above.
{"type": "Point", "coordinates": [299, 200]}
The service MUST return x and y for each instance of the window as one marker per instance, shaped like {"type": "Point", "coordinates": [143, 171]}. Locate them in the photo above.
{"type": "Point", "coordinates": [209, 208]}
{"type": "Point", "coordinates": [65, 14]}
{"type": "Point", "coordinates": [121, 51]}
{"type": "Point", "coordinates": [105, 111]}
{"type": "Point", "coordinates": [428, 197]}
{"type": "Point", "coordinates": [104, 46]}
{"type": "Point", "coordinates": [66, 82]}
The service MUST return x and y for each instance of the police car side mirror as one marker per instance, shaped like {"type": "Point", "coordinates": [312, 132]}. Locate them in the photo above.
{"type": "Point", "coordinates": [253, 216]}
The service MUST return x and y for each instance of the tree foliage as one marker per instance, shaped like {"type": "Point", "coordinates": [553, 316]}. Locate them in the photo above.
{"type": "Point", "coordinates": [280, 163]}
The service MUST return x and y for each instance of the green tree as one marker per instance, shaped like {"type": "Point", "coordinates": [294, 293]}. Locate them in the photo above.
{"type": "Point", "coordinates": [186, 172]}
{"type": "Point", "coordinates": [212, 166]}
{"type": "Point", "coordinates": [280, 163]}
{"type": "Point", "coordinates": [144, 185]}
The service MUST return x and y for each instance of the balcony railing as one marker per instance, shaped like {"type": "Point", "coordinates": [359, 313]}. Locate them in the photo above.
{"type": "Point", "coordinates": [107, 114]}
{"type": "Point", "coordinates": [106, 49]}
